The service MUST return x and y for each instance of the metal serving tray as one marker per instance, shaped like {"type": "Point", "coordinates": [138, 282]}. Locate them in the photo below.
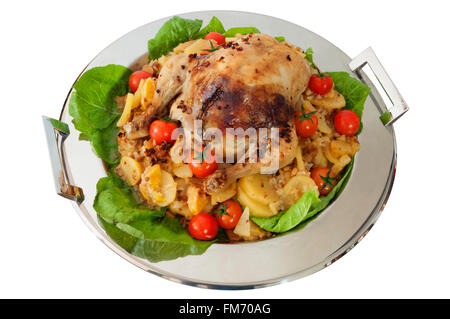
{"type": "Point", "coordinates": [324, 240]}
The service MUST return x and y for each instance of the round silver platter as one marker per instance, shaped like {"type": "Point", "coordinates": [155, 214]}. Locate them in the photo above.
{"type": "Point", "coordinates": [256, 264]}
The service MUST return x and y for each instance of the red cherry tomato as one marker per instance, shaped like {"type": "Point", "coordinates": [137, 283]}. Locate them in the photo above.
{"type": "Point", "coordinates": [347, 123]}
{"type": "Point", "coordinates": [203, 227]}
{"type": "Point", "coordinates": [320, 83]}
{"type": "Point", "coordinates": [202, 163]}
{"type": "Point", "coordinates": [324, 179]}
{"type": "Point", "coordinates": [305, 123]}
{"type": "Point", "coordinates": [136, 78]}
{"type": "Point", "coordinates": [216, 36]}
{"type": "Point", "coordinates": [228, 214]}
{"type": "Point", "coordinates": [162, 131]}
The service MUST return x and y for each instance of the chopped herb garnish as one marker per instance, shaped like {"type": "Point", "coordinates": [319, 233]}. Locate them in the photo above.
{"type": "Point", "coordinates": [306, 116]}
{"type": "Point", "coordinates": [328, 180]}
{"type": "Point", "coordinates": [222, 210]}
{"type": "Point", "coordinates": [213, 48]}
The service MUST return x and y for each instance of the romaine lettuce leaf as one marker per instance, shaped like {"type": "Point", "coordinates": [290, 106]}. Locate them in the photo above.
{"type": "Point", "coordinates": [60, 126]}
{"type": "Point", "coordinates": [306, 207]}
{"type": "Point", "coordinates": [280, 39]}
{"type": "Point", "coordinates": [287, 220]}
{"type": "Point", "coordinates": [242, 30]}
{"type": "Point", "coordinates": [94, 110]}
{"type": "Point", "coordinates": [140, 230]}
{"type": "Point", "coordinates": [165, 240]}
{"type": "Point", "coordinates": [178, 30]}
{"type": "Point", "coordinates": [123, 239]}
{"type": "Point", "coordinates": [213, 26]}
{"type": "Point", "coordinates": [104, 143]}
{"type": "Point", "coordinates": [172, 33]}
{"type": "Point", "coordinates": [115, 202]}
{"type": "Point", "coordinates": [354, 92]}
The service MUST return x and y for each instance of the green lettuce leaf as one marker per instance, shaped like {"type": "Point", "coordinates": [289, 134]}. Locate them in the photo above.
{"type": "Point", "coordinates": [309, 57]}
{"type": "Point", "coordinates": [155, 240]}
{"type": "Point", "coordinates": [142, 231]}
{"type": "Point", "coordinates": [165, 240]}
{"type": "Point", "coordinates": [242, 30]}
{"type": "Point", "coordinates": [354, 92]}
{"type": "Point", "coordinates": [122, 238]}
{"type": "Point", "coordinates": [305, 208]}
{"type": "Point", "coordinates": [172, 33]}
{"type": "Point", "coordinates": [280, 39]}
{"type": "Point", "coordinates": [94, 110]}
{"type": "Point", "coordinates": [287, 220]}
{"type": "Point", "coordinates": [213, 26]}
{"type": "Point", "coordinates": [60, 126]}
{"type": "Point", "coordinates": [115, 202]}
{"type": "Point", "coordinates": [326, 200]}
{"type": "Point", "coordinates": [92, 104]}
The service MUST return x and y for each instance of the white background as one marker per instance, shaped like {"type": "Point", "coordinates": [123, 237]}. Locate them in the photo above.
{"type": "Point", "coordinates": [47, 251]}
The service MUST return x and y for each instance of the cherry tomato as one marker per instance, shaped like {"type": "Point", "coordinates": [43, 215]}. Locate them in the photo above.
{"type": "Point", "coordinates": [203, 227]}
{"type": "Point", "coordinates": [216, 36]}
{"type": "Point", "coordinates": [136, 78]}
{"type": "Point", "coordinates": [305, 123]}
{"type": "Point", "coordinates": [324, 179]}
{"type": "Point", "coordinates": [347, 122]}
{"type": "Point", "coordinates": [228, 214]}
{"type": "Point", "coordinates": [201, 163]}
{"type": "Point", "coordinates": [320, 83]}
{"type": "Point", "coordinates": [162, 131]}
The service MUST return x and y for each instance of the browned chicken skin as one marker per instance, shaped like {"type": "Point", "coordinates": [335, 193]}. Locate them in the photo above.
{"type": "Point", "coordinates": [253, 82]}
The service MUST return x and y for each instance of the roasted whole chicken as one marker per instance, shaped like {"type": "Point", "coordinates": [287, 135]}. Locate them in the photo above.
{"type": "Point", "coordinates": [251, 82]}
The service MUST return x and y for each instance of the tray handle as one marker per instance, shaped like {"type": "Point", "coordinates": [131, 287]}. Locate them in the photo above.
{"type": "Point", "coordinates": [399, 105]}
{"type": "Point", "coordinates": [56, 133]}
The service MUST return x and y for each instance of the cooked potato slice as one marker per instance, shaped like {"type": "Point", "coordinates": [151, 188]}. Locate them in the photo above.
{"type": "Point", "coordinates": [355, 147]}
{"type": "Point", "coordinates": [332, 100]}
{"type": "Point", "coordinates": [153, 177]}
{"type": "Point", "coordinates": [148, 90]}
{"type": "Point", "coordinates": [126, 114]}
{"type": "Point", "coordinates": [158, 186]}
{"type": "Point", "coordinates": [308, 106]}
{"type": "Point", "coordinates": [296, 187]}
{"type": "Point", "coordinates": [259, 188]}
{"type": "Point", "coordinates": [144, 192]}
{"type": "Point", "coordinates": [224, 194]}
{"type": "Point", "coordinates": [243, 226]}
{"type": "Point", "coordinates": [339, 148]}
{"type": "Point", "coordinates": [320, 159]}
{"type": "Point", "coordinates": [232, 39]}
{"type": "Point", "coordinates": [256, 208]}
{"type": "Point", "coordinates": [131, 170]}
{"type": "Point", "coordinates": [322, 125]}
{"type": "Point", "coordinates": [181, 208]}
{"type": "Point", "coordinates": [299, 159]}
{"type": "Point", "coordinates": [176, 152]}
{"type": "Point", "coordinates": [182, 46]}
{"type": "Point", "coordinates": [138, 94]}
{"type": "Point", "coordinates": [199, 46]}
{"type": "Point", "coordinates": [342, 162]}
{"type": "Point", "coordinates": [197, 200]}
{"type": "Point", "coordinates": [333, 159]}
{"type": "Point", "coordinates": [182, 170]}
